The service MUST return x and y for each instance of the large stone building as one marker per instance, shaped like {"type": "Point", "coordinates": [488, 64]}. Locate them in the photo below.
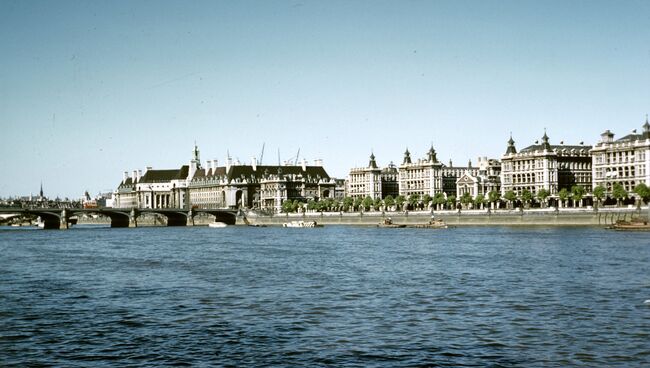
{"type": "Point", "coordinates": [426, 176]}
{"type": "Point", "coordinates": [259, 186]}
{"type": "Point", "coordinates": [157, 188]}
{"type": "Point", "coordinates": [373, 182]}
{"type": "Point", "coordinates": [487, 179]}
{"type": "Point", "coordinates": [430, 176]}
{"type": "Point", "coordinates": [545, 166]}
{"type": "Point", "coordinates": [625, 161]}
{"type": "Point", "coordinates": [231, 186]}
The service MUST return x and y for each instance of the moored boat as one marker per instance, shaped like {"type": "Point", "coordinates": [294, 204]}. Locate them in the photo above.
{"type": "Point", "coordinates": [302, 224]}
{"type": "Point", "coordinates": [636, 224]}
{"type": "Point", "coordinates": [433, 224]}
{"type": "Point", "coordinates": [217, 224]}
{"type": "Point", "coordinates": [388, 223]}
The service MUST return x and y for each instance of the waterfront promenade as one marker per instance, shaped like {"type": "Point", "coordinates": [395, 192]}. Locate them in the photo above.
{"type": "Point", "coordinates": [531, 217]}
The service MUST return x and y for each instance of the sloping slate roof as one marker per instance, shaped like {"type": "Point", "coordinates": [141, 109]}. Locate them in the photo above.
{"type": "Point", "coordinates": [247, 171]}
{"type": "Point", "coordinates": [631, 137]}
{"type": "Point", "coordinates": [200, 173]}
{"type": "Point", "coordinates": [156, 176]}
{"type": "Point", "coordinates": [539, 147]}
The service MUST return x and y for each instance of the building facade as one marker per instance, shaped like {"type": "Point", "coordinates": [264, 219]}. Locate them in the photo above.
{"type": "Point", "coordinates": [487, 179]}
{"type": "Point", "coordinates": [430, 176]}
{"type": "Point", "coordinates": [545, 166]}
{"type": "Point", "coordinates": [625, 161]}
{"type": "Point", "coordinates": [373, 182]}
{"type": "Point", "coordinates": [259, 186]}
{"type": "Point", "coordinates": [231, 186]}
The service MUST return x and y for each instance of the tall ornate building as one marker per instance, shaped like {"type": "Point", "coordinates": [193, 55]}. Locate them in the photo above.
{"type": "Point", "coordinates": [487, 179]}
{"type": "Point", "coordinates": [625, 161]}
{"type": "Point", "coordinates": [259, 186]}
{"type": "Point", "coordinates": [430, 176]}
{"type": "Point", "coordinates": [545, 166]}
{"type": "Point", "coordinates": [232, 185]}
{"type": "Point", "coordinates": [158, 188]}
{"type": "Point", "coordinates": [371, 181]}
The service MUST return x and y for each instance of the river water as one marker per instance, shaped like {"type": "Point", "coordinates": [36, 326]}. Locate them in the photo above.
{"type": "Point", "coordinates": [333, 296]}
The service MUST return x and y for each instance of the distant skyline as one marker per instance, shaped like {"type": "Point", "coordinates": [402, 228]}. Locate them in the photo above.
{"type": "Point", "coordinates": [89, 89]}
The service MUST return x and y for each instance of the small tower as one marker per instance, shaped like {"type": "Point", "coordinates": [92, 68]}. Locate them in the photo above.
{"type": "Point", "coordinates": [511, 146]}
{"type": "Point", "coordinates": [40, 193]}
{"type": "Point", "coordinates": [407, 157]}
{"type": "Point", "coordinates": [432, 154]}
{"type": "Point", "coordinates": [646, 128]}
{"type": "Point", "coordinates": [372, 164]}
{"type": "Point", "coordinates": [195, 163]}
{"type": "Point", "coordinates": [545, 145]}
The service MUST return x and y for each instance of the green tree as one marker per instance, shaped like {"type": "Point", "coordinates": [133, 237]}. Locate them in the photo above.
{"type": "Point", "coordinates": [479, 201]}
{"type": "Point", "coordinates": [413, 200]}
{"type": "Point", "coordinates": [287, 206]}
{"type": "Point", "coordinates": [563, 195]}
{"type": "Point", "coordinates": [619, 193]}
{"type": "Point", "coordinates": [357, 203]}
{"type": "Point", "coordinates": [426, 200]}
{"type": "Point", "coordinates": [643, 191]}
{"type": "Point", "coordinates": [526, 197]}
{"type": "Point", "coordinates": [311, 205]}
{"type": "Point", "coordinates": [377, 204]}
{"type": "Point", "coordinates": [542, 195]}
{"type": "Point", "coordinates": [466, 199]}
{"type": "Point", "coordinates": [389, 202]}
{"type": "Point", "coordinates": [367, 203]}
{"type": "Point", "coordinates": [599, 194]}
{"type": "Point", "coordinates": [347, 203]}
{"type": "Point", "coordinates": [451, 201]}
{"type": "Point", "coordinates": [399, 201]}
{"type": "Point", "coordinates": [511, 197]}
{"type": "Point", "coordinates": [577, 194]}
{"type": "Point", "coordinates": [494, 197]}
{"type": "Point", "coordinates": [439, 200]}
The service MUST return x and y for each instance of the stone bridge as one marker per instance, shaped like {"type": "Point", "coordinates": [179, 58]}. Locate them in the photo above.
{"type": "Point", "coordinates": [60, 218]}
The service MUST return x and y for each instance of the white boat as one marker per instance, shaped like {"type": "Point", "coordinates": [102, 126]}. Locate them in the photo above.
{"type": "Point", "coordinates": [217, 224]}
{"type": "Point", "coordinates": [301, 224]}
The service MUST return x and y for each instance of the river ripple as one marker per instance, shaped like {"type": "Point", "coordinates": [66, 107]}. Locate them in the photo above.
{"type": "Point", "coordinates": [335, 296]}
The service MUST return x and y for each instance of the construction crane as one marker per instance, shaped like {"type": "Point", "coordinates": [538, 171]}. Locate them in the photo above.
{"type": "Point", "coordinates": [295, 162]}
{"type": "Point", "coordinates": [262, 154]}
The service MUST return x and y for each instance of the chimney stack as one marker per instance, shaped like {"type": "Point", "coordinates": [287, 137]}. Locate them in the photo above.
{"type": "Point", "coordinates": [304, 165]}
{"type": "Point", "coordinates": [135, 176]}
{"type": "Point", "coordinates": [125, 177]}
{"type": "Point", "coordinates": [254, 163]}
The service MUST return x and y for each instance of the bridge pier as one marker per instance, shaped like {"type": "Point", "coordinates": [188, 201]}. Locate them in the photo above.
{"type": "Point", "coordinates": [133, 218]}
{"type": "Point", "coordinates": [190, 219]}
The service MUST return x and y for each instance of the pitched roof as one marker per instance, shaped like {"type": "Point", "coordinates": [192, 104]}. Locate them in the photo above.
{"type": "Point", "coordinates": [247, 171]}
{"type": "Point", "coordinates": [157, 176]}
{"type": "Point", "coordinates": [540, 147]}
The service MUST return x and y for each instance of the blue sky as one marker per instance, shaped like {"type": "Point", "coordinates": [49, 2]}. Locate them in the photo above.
{"type": "Point", "coordinates": [89, 89]}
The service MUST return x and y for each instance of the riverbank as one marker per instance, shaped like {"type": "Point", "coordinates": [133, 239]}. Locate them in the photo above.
{"type": "Point", "coordinates": [534, 217]}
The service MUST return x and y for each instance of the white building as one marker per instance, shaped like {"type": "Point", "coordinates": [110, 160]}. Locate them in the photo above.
{"type": "Point", "coordinates": [545, 166]}
{"type": "Point", "coordinates": [625, 161]}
